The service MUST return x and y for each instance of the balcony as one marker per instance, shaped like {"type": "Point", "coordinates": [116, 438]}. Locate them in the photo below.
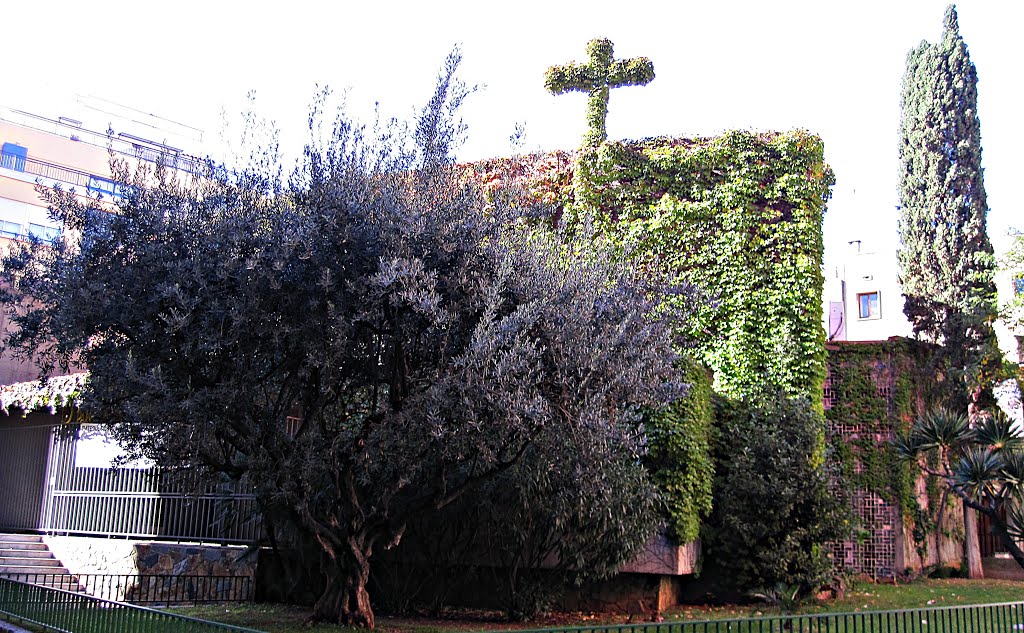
{"type": "Point", "coordinates": [95, 185]}
{"type": "Point", "coordinates": [122, 143]}
{"type": "Point", "coordinates": [43, 169]}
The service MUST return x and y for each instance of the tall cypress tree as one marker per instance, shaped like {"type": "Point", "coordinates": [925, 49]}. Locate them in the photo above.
{"type": "Point", "coordinates": [946, 258]}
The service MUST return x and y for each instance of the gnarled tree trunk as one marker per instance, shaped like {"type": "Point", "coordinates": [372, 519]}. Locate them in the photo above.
{"type": "Point", "coordinates": [345, 599]}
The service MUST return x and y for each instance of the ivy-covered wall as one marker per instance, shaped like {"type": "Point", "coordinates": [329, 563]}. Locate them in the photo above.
{"type": "Point", "coordinates": [872, 391]}
{"type": "Point", "coordinates": [679, 454]}
{"type": "Point", "coordinates": [738, 216]}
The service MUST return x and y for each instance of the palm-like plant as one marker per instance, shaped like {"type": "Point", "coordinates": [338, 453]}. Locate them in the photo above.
{"type": "Point", "coordinates": [997, 432]}
{"type": "Point", "coordinates": [977, 474]}
{"type": "Point", "coordinates": [941, 428]}
{"type": "Point", "coordinates": [982, 464]}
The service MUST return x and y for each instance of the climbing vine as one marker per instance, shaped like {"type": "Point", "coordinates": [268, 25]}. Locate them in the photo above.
{"type": "Point", "coordinates": [596, 77]}
{"type": "Point", "coordinates": [60, 393]}
{"type": "Point", "coordinates": [679, 453]}
{"type": "Point", "coordinates": [877, 389]}
{"type": "Point", "coordinates": [737, 216]}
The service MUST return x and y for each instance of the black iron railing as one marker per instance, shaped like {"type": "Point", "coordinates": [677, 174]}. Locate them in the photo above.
{"type": "Point", "coordinates": [71, 612]}
{"type": "Point", "coordinates": [986, 618]}
{"type": "Point", "coordinates": [149, 588]}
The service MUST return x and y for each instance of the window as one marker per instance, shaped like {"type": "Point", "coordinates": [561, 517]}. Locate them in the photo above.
{"type": "Point", "coordinates": [13, 156]}
{"type": "Point", "coordinates": [106, 187]}
{"type": "Point", "coordinates": [101, 185]}
{"type": "Point", "coordinates": [44, 233]}
{"type": "Point", "coordinates": [868, 305]}
{"type": "Point", "coordinates": [10, 229]}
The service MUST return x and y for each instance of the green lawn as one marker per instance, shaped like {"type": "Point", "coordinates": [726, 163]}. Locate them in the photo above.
{"type": "Point", "coordinates": [871, 597]}
{"type": "Point", "coordinates": [864, 597]}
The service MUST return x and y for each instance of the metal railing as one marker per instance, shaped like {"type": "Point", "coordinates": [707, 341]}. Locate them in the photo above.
{"type": "Point", "coordinates": [44, 169]}
{"type": "Point", "coordinates": [145, 502]}
{"type": "Point", "coordinates": [123, 144]}
{"type": "Point", "coordinates": [149, 588]}
{"type": "Point", "coordinates": [58, 494]}
{"type": "Point", "coordinates": [986, 618]}
{"type": "Point", "coordinates": [70, 612]}
{"type": "Point", "coordinates": [90, 182]}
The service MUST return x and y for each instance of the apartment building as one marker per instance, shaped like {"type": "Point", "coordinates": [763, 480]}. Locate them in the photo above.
{"type": "Point", "coordinates": [63, 151]}
{"type": "Point", "coordinates": [862, 294]}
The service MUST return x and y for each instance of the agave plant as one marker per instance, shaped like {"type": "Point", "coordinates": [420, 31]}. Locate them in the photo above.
{"type": "Point", "coordinates": [785, 597]}
{"type": "Point", "coordinates": [1013, 469]}
{"type": "Point", "coordinates": [977, 474]}
{"type": "Point", "coordinates": [1015, 520]}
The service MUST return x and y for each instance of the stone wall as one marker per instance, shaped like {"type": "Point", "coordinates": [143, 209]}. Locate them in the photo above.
{"type": "Point", "coordinates": [663, 557]}
{"type": "Point", "coordinates": [89, 555]}
{"type": "Point", "coordinates": [121, 569]}
{"type": "Point", "coordinates": [170, 559]}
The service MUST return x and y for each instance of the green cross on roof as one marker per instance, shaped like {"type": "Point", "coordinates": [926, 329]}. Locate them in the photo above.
{"type": "Point", "coordinates": [596, 77]}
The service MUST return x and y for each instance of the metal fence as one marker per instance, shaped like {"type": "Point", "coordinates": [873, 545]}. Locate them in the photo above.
{"type": "Point", "coordinates": [149, 588]}
{"type": "Point", "coordinates": [58, 492]}
{"type": "Point", "coordinates": [987, 618]}
{"type": "Point", "coordinates": [72, 612]}
{"type": "Point", "coordinates": [144, 502]}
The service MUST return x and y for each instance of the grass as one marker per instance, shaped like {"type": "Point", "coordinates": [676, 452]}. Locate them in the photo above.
{"type": "Point", "coordinates": [879, 597]}
{"type": "Point", "coordinates": [863, 597]}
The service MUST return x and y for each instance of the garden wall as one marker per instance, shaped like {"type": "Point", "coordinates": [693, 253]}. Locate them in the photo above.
{"type": "Point", "coordinates": [124, 557]}
{"type": "Point", "coordinates": [872, 390]}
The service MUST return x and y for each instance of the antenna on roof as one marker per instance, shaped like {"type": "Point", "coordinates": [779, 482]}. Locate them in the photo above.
{"type": "Point", "coordinates": [142, 118]}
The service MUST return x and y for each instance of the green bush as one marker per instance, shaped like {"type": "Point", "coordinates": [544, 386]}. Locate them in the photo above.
{"type": "Point", "coordinates": [774, 505]}
{"type": "Point", "coordinates": [679, 453]}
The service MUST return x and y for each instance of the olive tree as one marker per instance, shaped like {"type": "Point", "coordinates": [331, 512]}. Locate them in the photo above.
{"type": "Point", "coordinates": [366, 341]}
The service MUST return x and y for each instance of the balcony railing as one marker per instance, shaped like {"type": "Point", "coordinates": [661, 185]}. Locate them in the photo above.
{"type": "Point", "coordinates": [50, 171]}
{"type": "Point", "coordinates": [91, 183]}
{"type": "Point", "coordinates": [122, 143]}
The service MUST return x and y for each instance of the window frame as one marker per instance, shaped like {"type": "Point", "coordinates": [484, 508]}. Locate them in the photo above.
{"type": "Point", "coordinates": [871, 315]}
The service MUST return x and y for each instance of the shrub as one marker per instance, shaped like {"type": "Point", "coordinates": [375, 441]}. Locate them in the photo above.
{"type": "Point", "coordinates": [774, 507]}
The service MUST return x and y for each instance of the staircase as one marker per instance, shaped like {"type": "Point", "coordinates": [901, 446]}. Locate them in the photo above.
{"type": "Point", "coordinates": [26, 557]}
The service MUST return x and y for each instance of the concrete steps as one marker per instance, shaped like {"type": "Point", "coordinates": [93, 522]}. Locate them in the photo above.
{"type": "Point", "coordinates": [26, 557]}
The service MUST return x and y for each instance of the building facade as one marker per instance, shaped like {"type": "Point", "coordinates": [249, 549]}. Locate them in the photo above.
{"type": "Point", "coordinates": [864, 300]}
{"type": "Point", "coordinates": [63, 152]}
{"type": "Point", "coordinates": [862, 295]}
{"type": "Point", "coordinates": [62, 475]}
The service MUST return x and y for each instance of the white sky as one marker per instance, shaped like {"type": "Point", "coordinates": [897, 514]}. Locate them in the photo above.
{"type": "Point", "coordinates": [829, 67]}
